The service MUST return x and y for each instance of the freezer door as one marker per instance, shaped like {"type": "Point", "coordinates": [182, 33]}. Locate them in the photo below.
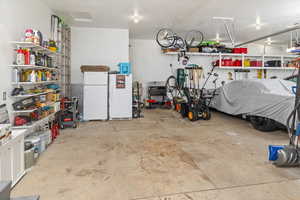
{"type": "Point", "coordinates": [95, 103]}
{"type": "Point", "coordinates": [95, 78]}
{"type": "Point", "coordinates": [120, 99]}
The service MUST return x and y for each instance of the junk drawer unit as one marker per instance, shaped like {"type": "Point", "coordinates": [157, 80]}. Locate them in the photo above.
{"type": "Point", "coordinates": [12, 158]}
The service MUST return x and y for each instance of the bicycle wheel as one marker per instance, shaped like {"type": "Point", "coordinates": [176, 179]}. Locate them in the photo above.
{"type": "Point", "coordinates": [179, 43]}
{"type": "Point", "coordinates": [165, 38]}
{"type": "Point", "coordinates": [172, 88]}
{"type": "Point", "coordinates": [194, 38]}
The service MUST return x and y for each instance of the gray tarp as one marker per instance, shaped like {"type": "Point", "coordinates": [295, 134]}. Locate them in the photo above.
{"type": "Point", "coordinates": [272, 98]}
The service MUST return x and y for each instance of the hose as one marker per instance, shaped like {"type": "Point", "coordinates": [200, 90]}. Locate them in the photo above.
{"type": "Point", "coordinates": [293, 117]}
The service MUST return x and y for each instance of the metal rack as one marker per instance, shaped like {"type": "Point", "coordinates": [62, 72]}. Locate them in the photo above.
{"type": "Point", "coordinates": [46, 51]}
{"type": "Point", "coordinates": [220, 56]}
{"type": "Point", "coordinates": [65, 61]}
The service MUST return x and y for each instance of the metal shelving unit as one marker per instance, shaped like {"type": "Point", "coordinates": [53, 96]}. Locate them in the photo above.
{"type": "Point", "coordinates": [243, 57]}
{"type": "Point", "coordinates": [55, 69]}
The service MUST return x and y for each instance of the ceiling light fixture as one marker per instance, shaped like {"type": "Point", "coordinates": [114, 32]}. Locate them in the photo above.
{"type": "Point", "coordinates": [258, 23]}
{"type": "Point", "coordinates": [217, 37]}
{"type": "Point", "coordinates": [136, 18]}
{"type": "Point", "coordinates": [269, 41]}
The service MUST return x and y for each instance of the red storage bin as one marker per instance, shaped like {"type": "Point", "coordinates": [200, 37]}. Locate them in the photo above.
{"type": "Point", "coordinates": [237, 63]}
{"type": "Point", "coordinates": [236, 50]}
{"type": "Point", "coordinates": [244, 50]}
{"type": "Point", "coordinates": [253, 63]}
{"type": "Point", "coordinates": [240, 50]}
{"type": "Point", "coordinates": [228, 62]}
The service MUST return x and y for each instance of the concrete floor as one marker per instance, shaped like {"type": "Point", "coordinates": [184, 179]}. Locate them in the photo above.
{"type": "Point", "coordinates": [162, 157]}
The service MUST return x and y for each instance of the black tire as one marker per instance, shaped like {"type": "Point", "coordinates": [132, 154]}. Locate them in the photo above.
{"type": "Point", "coordinates": [194, 38]}
{"type": "Point", "coordinates": [75, 125]}
{"type": "Point", "coordinates": [180, 43]}
{"type": "Point", "coordinates": [206, 115]}
{"type": "Point", "coordinates": [192, 115]}
{"type": "Point", "coordinates": [263, 124]}
{"type": "Point", "coordinates": [165, 38]}
{"type": "Point", "coordinates": [172, 87]}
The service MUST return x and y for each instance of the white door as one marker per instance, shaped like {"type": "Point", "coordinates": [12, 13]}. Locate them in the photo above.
{"type": "Point", "coordinates": [95, 78]}
{"type": "Point", "coordinates": [6, 161]}
{"type": "Point", "coordinates": [18, 159]}
{"type": "Point", "coordinates": [95, 103]}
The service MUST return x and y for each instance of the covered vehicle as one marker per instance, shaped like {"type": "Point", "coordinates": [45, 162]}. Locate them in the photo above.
{"type": "Point", "coordinates": [267, 103]}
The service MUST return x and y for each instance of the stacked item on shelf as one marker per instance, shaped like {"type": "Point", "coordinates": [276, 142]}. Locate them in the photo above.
{"type": "Point", "coordinates": [36, 101]}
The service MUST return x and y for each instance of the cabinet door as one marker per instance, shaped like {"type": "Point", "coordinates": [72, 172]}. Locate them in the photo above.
{"type": "Point", "coordinates": [5, 162]}
{"type": "Point", "coordinates": [17, 159]}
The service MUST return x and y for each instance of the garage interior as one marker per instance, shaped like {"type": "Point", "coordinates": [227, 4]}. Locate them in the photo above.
{"type": "Point", "coordinates": [149, 100]}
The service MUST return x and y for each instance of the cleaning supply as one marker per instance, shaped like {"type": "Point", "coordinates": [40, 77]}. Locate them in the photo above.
{"type": "Point", "coordinates": [33, 76]}
{"type": "Point", "coordinates": [32, 58]}
{"type": "Point", "coordinates": [20, 60]}
{"type": "Point", "coordinates": [27, 56]}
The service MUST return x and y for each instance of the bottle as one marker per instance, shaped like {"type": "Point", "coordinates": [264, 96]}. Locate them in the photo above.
{"type": "Point", "coordinates": [27, 56]}
{"type": "Point", "coordinates": [36, 37]}
{"type": "Point", "coordinates": [16, 75]}
{"type": "Point", "coordinates": [32, 58]}
{"type": "Point", "coordinates": [20, 57]}
{"type": "Point", "coordinates": [33, 76]}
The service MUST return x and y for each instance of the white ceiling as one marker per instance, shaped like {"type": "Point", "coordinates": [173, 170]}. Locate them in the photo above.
{"type": "Point", "coordinates": [184, 15]}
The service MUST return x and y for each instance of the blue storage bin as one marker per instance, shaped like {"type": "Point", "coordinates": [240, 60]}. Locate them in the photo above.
{"type": "Point", "coordinates": [124, 68]}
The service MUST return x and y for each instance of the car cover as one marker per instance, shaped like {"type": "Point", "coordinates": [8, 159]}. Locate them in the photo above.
{"type": "Point", "coordinates": [270, 98]}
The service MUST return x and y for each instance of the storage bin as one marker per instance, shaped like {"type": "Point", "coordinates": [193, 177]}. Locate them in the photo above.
{"type": "Point", "coordinates": [124, 68]}
{"type": "Point", "coordinates": [246, 63]}
{"type": "Point", "coordinates": [29, 158]}
{"type": "Point", "coordinates": [36, 141]}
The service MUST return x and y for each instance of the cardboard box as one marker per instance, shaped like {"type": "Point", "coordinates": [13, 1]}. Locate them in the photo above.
{"type": "Point", "coordinates": [194, 49]}
{"type": "Point", "coordinates": [94, 68]}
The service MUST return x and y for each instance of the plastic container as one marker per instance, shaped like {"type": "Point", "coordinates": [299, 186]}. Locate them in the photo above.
{"type": "Point", "coordinates": [29, 158]}
{"type": "Point", "coordinates": [273, 149]}
{"type": "Point", "coordinates": [124, 68]}
{"type": "Point", "coordinates": [247, 63]}
{"type": "Point", "coordinates": [36, 141]}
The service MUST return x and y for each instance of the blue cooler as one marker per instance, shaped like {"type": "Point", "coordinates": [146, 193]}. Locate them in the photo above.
{"type": "Point", "coordinates": [125, 68]}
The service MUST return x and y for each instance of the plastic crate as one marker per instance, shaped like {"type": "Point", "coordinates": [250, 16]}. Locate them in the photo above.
{"type": "Point", "coordinates": [125, 68]}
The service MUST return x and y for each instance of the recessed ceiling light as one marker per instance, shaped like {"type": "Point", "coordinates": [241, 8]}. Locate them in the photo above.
{"type": "Point", "coordinates": [217, 37]}
{"type": "Point", "coordinates": [258, 23]}
{"type": "Point", "coordinates": [136, 18]}
{"type": "Point", "coordinates": [81, 16]}
{"type": "Point", "coordinates": [82, 20]}
{"type": "Point", "coordinates": [269, 41]}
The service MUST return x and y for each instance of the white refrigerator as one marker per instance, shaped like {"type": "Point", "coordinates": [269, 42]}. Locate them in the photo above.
{"type": "Point", "coordinates": [95, 96]}
{"type": "Point", "coordinates": [120, 96]}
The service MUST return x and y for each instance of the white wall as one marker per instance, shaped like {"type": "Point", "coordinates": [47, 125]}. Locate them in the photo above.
{"type": "Point", "coordinates": [97, 46]}
{"type": "Point", "coordinates": [18, 15]}
{"type": "Point", "coordinates": [149, 64]}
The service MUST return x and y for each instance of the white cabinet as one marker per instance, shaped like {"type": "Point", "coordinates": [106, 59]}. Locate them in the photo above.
{"type": "Point", "coordinates": [12, 160]}
{"type": "Point", "coordinates": [17, 151]}
{"type": "Point", "coordinates": [6, 162]}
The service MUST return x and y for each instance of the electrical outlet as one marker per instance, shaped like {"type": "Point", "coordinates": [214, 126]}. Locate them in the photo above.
{"type": "Point", "coordinates": [4, 96]}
